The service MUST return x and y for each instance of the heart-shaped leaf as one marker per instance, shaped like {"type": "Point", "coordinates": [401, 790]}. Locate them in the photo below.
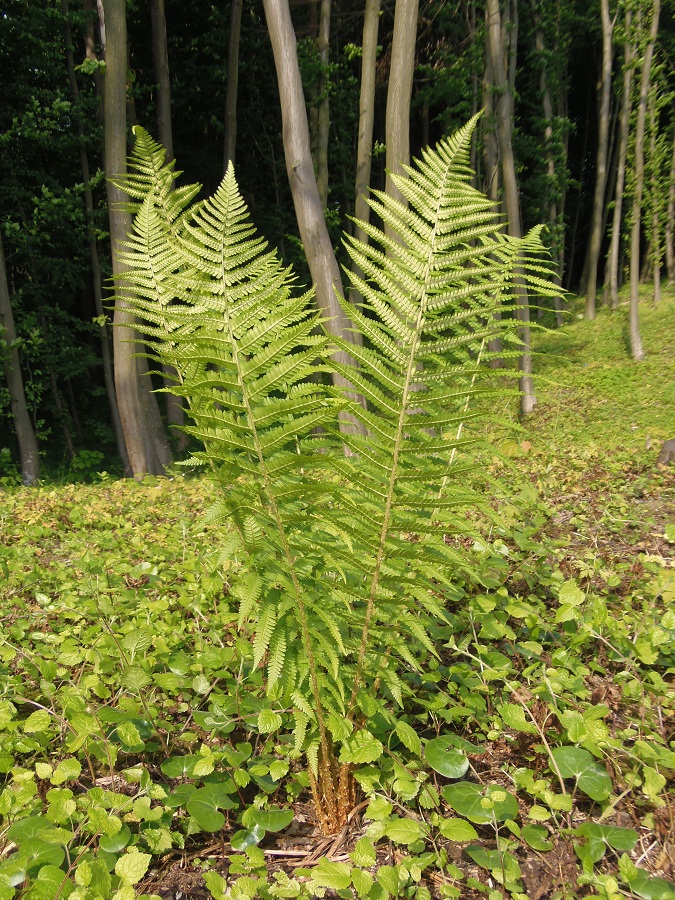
{"type": "Point", "coordinates": [273, 819]}
{"type": "Point", "coordinates": [203, 806]}
{"type": "Point", "coordinates": [591, 777]}
{"type": "Point", "coordinates": [443, 758]}
{"type": "Point", "coordinates": [247, 837]}
{"type": "Point", "coordinates": [179, 766]}
{"type": "Point", "coordinates": [479, 804]}
{"type": "Point", "coordinates": [536, 836]}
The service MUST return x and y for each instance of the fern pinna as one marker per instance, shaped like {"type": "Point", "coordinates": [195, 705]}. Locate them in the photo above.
{"type": "Point", "coordinates": [346, 563]}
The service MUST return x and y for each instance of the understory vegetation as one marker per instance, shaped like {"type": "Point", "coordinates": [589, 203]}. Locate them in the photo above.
{"type": "Point", "coordinates": [162, 772]}
{"type": "Point", "coordinates": [518, 743]}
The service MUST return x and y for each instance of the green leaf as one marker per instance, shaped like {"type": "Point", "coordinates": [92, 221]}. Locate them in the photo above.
{"type": "Point", "coordinates": [536, 836]}
{"type": "Point", "coordinates": [273, 819]}
{"type": "Point", "coordinates": [651, 888]}
{"type": "Point", "coordinates": [246, 837]}
{"type": "Point", "coordinates": [481, 805]}
{"type": "Point", "coordinates": [513, 716]}
{"type": "Point", "coordinates": [457, 830]}
{"type": "Point", "coordinates": [409, 738]}
{"type": "Point", "coordinates": [362, 881]}
{"type": "Point", "coordinates": [443, 758]}
{"type": "Point", "coordinates": [363, 853]}
{"type": "Point", "coordinates": [216, 885]}
{"type": "Point", "coordinates": [40, 720]}
{"type": "Point", "coordinates": [131, 867]}
{"type": "Point", "coordinates": [114, 843]}
{"type": "Point", "coordinates": [335, 875]}
{"type": "Point", "coordinates": [269, 721]}
{"type": "Point", "coordinates": [51, 882]}
{"type": "Point", "coordinates": [403, 831]}
{"type": "Point", "coordinates": [179, 766]}
{"type": "Point", "coordinates": [67, 770]}
{"type": "Point", "coordinates": [204, 803]}
{"type": "Point", "coordinates": [578, 763]}
{"type": "Point", "coordinates": [361, 747]}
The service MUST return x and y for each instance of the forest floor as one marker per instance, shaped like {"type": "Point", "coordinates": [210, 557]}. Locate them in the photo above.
{"type": "Point", "coordinates": [131, 753]}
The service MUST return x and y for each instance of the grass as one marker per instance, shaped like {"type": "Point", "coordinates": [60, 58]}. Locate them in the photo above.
{"type": "Point", "coordinates": [534, 758]}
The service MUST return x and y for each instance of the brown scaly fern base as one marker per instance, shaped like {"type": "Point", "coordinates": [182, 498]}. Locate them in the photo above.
{"type": "Point", "coordinates": [334, 793]}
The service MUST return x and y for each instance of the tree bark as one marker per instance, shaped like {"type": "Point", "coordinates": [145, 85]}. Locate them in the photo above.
{"type": "Point", "coordinates": [364, 149]}
{"type": "Point", "coordinates": [160, 55]}
{"type": "Point", "coordinates": [308, 209]}
{"type": "Point", "coordinates": [670, 220]}
{"type": "Point", "coordinates": [232, 82]}
{"type": "Point", "coordinates": [595, 238]}
{"type": "Point", "coordinates": [95, 262]}
{"type": "Point", "coordinates": [28, 447]}
{"type": "Point", "coordinates": [613, 255]}
{"type": "Point", "coordinates": [655, 238]}
{"type": "Point", "coordinates": [551, 175]}
{"type": "Point", "coordinates": [142, 425]}
{"type": "Point", "coordinates": [489, 132]}
{"type": "Point", "coordinates": [323, 113]}
{"type": "Point", "coordinates": [495, 38]}
{"type": "Point", "coordinates": [399, 92]}
{"type": "Point", "coordinates": [636, 217]}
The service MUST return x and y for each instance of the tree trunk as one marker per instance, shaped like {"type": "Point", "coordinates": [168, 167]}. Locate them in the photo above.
{"type": "Point", "coordinates": [323, 113]}
{"type": "Point", "coordinates": [232, 82]}
{"type": "Point", "coordinates": [613, 255]}
{"type": "Point", "coordinates": [28, 447]}
{"type": "Point", "coordinates": [142, 425]}
{"type": "Point", "coordinates": [97, 278]}
{"type": "Point", "coordinates": [655, 242]}
{"type": "Point", "coordinates": [595, 237]}
{"type": "Point", "coordinates": [551, 175]}
{"type": "Point", "coordinates": [670, 220]}
{"type": "Point", "coordinates": [495, 38]}
{"type": "Point", "coordinates": [399, 92]}
{"type": "Point", "coordinates": [489, 132]}
{"type": "Point", "coordinates": [364, 150]}
{"type": "Point", "coordinates": [308, 209]}
{"type": "Point", "coordinates": [160, 56]}
{"type": "Point", "coordinates": [636, 217]}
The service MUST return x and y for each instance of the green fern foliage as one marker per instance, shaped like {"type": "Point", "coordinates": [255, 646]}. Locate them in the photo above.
{"type": "Point", "coordinates": [347, 561]}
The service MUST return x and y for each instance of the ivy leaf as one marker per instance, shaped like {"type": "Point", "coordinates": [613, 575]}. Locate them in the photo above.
{"type": "Point", "coordinates": [443, 758]}
{"type": "Point", "coordinates": [481, 805]}
{"type": "Point", "coordinates": [273, 819]}
{"type": "Point", "coordinates": [592, 778]}
{"type": "Point", "coordinates": [536, 836]}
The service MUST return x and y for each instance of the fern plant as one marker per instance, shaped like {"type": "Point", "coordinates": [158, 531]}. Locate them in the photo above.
{"type": "Point", "coordinates": [346, 558]}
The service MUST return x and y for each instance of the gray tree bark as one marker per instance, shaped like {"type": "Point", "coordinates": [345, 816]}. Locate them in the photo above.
{"type": "Point", "coordinates": [308, 209]}
{"type": "Point", "coordinates": [636, 217]}
{"type": "Point", "coordinates": [323, 113]}
{"type": "Point", "coordinates": [146, 442]}
{"type": "Point", "coordinates": [232, 83]}
{"type": "Point", "coordinates": [495, 39]}
{"type": "Point", "coordinates": [95, 262]}
{"type": "Point", "coordinates": [613, 255]}
{"type": "Point", "coordinates": [364, 148]}
{"type": "Point", "coordinates": [160, 56]}
{"type": "Point", "coordinates": [28, 447]}
{"type": "Point", "coordinates": [399, 92]}
{"type": "Point", "coordinates": [595, 239]}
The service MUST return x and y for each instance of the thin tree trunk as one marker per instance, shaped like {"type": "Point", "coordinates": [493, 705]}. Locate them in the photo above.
{"type": "Point", "coordinates": [399, 92]}
{"type": "Point", "coordinates": [56, 397]}
{"type": "Point", "coordinates": [142, 425]}
{"type": "Point", "coordinates": [232, 82]}
{"type": "Point", "coordinates": [160, 55]}
{"type": "Point", "coordinates": [323, 113]}
{"type": "Point", "coordinates": [95, 262]}
{"type": "Point", "coordinates": [28, 447]}
{"type": "Point", "coordinates": [551, 175]}
{"type": "Point", "coordinates": [595, 238]}
{"type": "Point", "coordinates": [636, 217]}
{"type": "Point", "coordinates": [489, 131]}
{"type": "Point", "coordinates": [613, 255]}
{"type": "Point", "coordinates": [670, 221]}
{"type": "Point", "coordinates": [495, 34]}
{"type": "Point", "coordinates": [655, 243]}
{"type": "Point", "coordinates": [364, 149]}
{"type": "Point", "coordinates": [308, 209]}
